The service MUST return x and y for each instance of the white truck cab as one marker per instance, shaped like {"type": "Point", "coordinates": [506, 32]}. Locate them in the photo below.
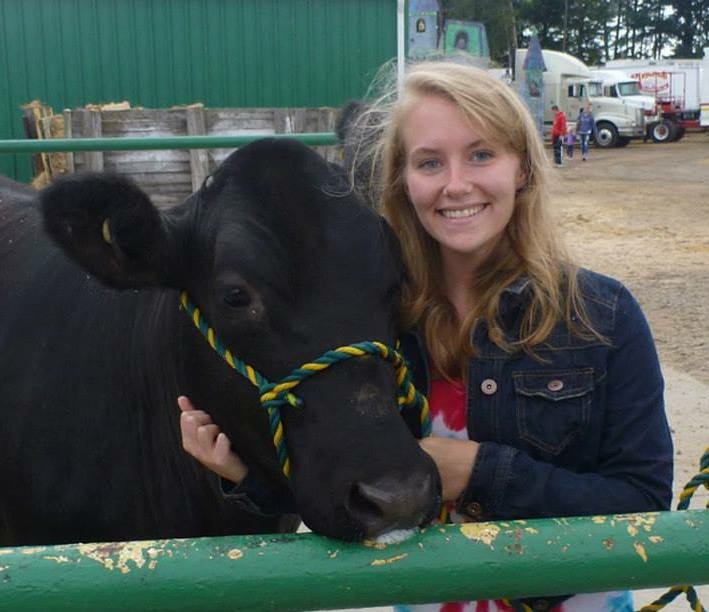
{"type": "Point", "coordinates": [616, 84]}
{"type": "Point", "coordinates": [569, 84]}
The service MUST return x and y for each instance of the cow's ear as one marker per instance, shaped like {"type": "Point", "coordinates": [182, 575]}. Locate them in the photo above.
{"type": "Point", "coordinates": [109, 227]}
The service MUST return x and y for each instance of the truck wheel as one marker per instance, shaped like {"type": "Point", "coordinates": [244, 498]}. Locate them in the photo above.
{"type": "Point", "coordinates": [606, 135]}
{"type": "Point", "coordinates": [663, 131]}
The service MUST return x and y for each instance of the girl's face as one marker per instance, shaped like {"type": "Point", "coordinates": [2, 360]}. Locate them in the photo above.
{"type": "Point", "coordinates": [461, 186]}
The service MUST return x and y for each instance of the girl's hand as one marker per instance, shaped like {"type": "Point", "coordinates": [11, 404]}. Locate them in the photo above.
{"type": "Point", "coordinates": [203, 439]}
{"type": "Point", "coordinates": [454, 460]}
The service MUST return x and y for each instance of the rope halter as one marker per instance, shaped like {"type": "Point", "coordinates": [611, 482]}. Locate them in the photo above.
{"type": "Point", "coordinates": [274, 396]}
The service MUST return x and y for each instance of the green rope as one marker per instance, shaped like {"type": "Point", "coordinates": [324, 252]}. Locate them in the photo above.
{"type": "Point", "coordinates": [701, 479]}
{"type": "Point", "coordinates": [275, 395]}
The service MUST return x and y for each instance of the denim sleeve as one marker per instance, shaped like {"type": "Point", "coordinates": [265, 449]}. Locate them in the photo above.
{"type": "Point", "coordinates": [254, 495]}
{"type": "Point", "coordinates": [634, 464]}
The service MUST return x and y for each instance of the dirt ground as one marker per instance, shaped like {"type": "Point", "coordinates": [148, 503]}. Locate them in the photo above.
{"type": "Point", "coordinates": [641, 214]}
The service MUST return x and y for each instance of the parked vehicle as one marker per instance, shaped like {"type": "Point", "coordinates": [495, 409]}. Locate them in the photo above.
{"type": "Point", "coordinates": [569, 83]}
{"type": "Point", "coordinates": [680, 88]}
{"type": "Point", "coordinates": [617, 84]}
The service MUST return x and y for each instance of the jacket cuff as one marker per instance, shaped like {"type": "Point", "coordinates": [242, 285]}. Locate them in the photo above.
{"type": "Point", "coordinates": [257, 497]}
{"type": "Point", "coordinates": [484, 496]}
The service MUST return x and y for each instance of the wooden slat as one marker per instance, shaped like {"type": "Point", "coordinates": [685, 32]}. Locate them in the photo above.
{"type": "Point", "coordinates": [68, 133]}
{"type": "Point", "coordinates": [199, 160]}
{"type": "Point", "coordinates": [91, 120]}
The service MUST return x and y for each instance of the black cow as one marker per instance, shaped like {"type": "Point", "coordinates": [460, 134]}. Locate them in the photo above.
{"type": "Point", "coordinates": [12, 190]}
{"type": "Point", "coordinates": [285, 264]}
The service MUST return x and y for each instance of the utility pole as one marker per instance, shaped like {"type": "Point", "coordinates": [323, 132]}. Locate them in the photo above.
{"type": "Point", "coordinates": [512, 39]}
{"type": "Point", "coordinates": [566, 25]}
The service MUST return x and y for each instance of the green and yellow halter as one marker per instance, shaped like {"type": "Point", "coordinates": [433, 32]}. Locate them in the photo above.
{"type": "Point", "coordinates": [275, 395]}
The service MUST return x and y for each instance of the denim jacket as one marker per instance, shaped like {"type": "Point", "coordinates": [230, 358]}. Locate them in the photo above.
{"type": "Point", "coordinates": [585, 123]}
{"type": "Point", "coordinates": [580, 431]}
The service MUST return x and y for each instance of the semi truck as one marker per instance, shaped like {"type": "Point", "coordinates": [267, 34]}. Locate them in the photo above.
{"type": "Point", "coordinates": [618, 85]}
{"type": "Point", "coordinates": [680, 88]}
{"type": "Point", "coordinates": [569, 84]}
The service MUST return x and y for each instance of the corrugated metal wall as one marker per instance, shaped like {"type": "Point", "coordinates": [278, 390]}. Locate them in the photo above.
{"type": "Point", "coordinates": [158, 53]}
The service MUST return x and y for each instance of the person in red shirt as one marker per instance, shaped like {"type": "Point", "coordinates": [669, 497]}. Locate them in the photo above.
{"type": "Point", "coordinates": [558, 131]}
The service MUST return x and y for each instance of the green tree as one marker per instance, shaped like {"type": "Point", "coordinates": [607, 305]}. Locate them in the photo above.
{"type": "Point", "coordinates": [592, 30]}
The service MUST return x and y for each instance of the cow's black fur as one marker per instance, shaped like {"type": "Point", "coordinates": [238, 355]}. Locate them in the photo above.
{"type": "Point", "coordinates": [90, 446]}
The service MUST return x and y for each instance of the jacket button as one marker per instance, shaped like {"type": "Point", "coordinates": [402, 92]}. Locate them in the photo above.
{"type": "Point", "coordinates": [555, 385]}
{"type": "Point", "coordinates": [474, 510]}
{"type": "Point", "coordinates": [488, 386]}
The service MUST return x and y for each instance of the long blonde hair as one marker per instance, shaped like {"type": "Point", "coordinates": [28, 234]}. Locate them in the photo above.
{"type": "Point", "coordinates": [531, 248]}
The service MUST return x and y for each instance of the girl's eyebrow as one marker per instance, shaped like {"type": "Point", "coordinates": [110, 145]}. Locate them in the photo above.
{"type": "Point", "coordinates": [431, 150]}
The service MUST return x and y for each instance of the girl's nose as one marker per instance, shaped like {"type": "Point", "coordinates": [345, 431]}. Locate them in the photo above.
{"type": "Point", "coordinates": [459, 182]}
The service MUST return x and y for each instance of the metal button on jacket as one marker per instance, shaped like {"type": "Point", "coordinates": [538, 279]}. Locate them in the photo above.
{"type": "Point", "coordinates": [555, 385]}
{"type": "Point", "coordinates": [474, 510]}
{"type": "Point", "coordinates": [488, 386]}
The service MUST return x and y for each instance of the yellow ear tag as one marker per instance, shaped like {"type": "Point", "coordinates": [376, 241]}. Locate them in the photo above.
{"type": "Point", "coordinates": [106, 232]}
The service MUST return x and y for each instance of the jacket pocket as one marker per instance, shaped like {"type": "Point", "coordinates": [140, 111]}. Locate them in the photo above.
{"type": "Point", "coordinates": [553, 407]}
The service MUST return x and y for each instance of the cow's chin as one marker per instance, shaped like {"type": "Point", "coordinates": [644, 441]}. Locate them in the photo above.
{"type": "Point", "coordinates": [341, 525]}
{"type": "Point", "coordinates": [395, 536]}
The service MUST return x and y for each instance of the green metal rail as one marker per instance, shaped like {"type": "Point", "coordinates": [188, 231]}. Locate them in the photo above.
{"type": "Point", "coordinates": [139, 144]}
{"type": "Point", "coordinates": [306, 572]}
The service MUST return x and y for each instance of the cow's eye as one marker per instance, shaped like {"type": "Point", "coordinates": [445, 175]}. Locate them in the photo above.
{"type": "Point", "coordinates": [237, 297]}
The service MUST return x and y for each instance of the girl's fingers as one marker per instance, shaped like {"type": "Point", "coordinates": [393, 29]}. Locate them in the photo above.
{"type": "Point", "coordinates": [222, 447]}
{"type": "Point", "coordinates": [184, 403]}
{"type": "Point", "coordinates": [206, 436]}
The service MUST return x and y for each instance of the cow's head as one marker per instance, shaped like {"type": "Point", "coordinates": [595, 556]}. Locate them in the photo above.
{"type": "Point", "coordinates": [285, 264]}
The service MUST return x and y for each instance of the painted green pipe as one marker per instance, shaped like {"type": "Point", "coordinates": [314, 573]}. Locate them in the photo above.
{"type": "Point", "coordinates": [306, 572]}
{"type": "Point", "coordinates": [169, 142]}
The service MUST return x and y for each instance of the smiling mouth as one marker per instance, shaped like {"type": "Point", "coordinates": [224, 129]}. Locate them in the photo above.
{"type": "Point", "coordinates": [461, 213]}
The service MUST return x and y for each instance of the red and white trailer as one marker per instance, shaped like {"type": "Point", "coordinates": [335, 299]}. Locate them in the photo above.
{"type": "Point", "coordinates": [680, 87]}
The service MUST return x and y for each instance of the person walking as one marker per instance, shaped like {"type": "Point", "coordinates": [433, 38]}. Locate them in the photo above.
{"type": "Point", "coordinates": [585, 128]}
{"type": "Point", "coordinates": [544, 383]}
{"type": "Point", "coordinates": [569, 142]}
{"type": "Point", "coordinates": [558, 131]}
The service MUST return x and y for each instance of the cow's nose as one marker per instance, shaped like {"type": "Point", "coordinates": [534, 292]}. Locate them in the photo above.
{"type": "Point", "coordinates": [384, 505]}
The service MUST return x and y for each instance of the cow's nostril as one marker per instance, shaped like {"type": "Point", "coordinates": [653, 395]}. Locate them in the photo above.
{"type": "Point", "coordinates": [362, 505]}
{"type": "Point", "coordinates": [388, 504]}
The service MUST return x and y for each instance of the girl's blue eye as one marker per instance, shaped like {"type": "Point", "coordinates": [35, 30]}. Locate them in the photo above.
{"type": "Point", "coordinates": [428, 164]}
{"type": "Point", "coordinates": [482, 156]}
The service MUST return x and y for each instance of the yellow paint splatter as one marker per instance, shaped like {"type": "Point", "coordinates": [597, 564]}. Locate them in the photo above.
{"type": "Point", "coordinates": [7, 551]}
{"type": "Point", "coordinates": [333, 553]}
{"type": "Point", "coordinates": [4, 567]}
{"type": "Point", "coordinates": [234, 554]}
{"type": "Point", "coordinates": [480, 532]}
{"type": "Point", "coordinates": [531, 530]}
{"type": "Point", "coordinates": [377, 562]}
{"type": "Point", "coordinates": [599, 520]}
{"type": "Point", "coordinates": [59, 559]}
{"type": "Point", "coordinates": [646, 522]}
{"type": "Point", "coordinates": [374, 544]}
{"type": "Point", "coordinates": [33, 550]}
{"type": "Point", "coordinates": [118, 556]}
{"type": "Point", "coordinates": [609, 543]}
{"type": "Point", "coordinates": [640, 549]}
{"type": "Point", "coordinates": [656, 539]}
